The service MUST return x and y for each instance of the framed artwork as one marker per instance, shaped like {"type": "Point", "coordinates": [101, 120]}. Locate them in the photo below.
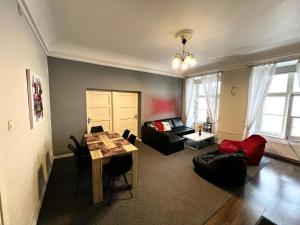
{"type": "Point", "coordinates": [35, 98]}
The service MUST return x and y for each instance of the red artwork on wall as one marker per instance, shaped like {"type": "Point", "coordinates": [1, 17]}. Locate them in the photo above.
{"type": "Point", "coordinates": [163, 105]}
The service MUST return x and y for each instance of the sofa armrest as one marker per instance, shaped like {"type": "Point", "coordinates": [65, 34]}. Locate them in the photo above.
{"type": "Point", "coordinates": [149, 134]}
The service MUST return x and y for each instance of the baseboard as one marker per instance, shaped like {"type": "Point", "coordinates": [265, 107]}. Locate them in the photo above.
{"type": "Point", "coordinates": [63, 156]}
{"type": "Point", "coordinates": [39, 204]}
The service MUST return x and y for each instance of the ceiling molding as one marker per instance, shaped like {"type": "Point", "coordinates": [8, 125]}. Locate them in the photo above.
{"type": "Point", "coordinates": [227, 63]}
{"type": "Point", "coordinates": [33, 25]}
{"type": "Point", "coordinates": [64, 55]}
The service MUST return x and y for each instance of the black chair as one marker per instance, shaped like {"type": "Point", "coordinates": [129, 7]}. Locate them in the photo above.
{"type": "Point", "coordinates": [118, 166]}
{"type": "Point", "coordinates": [83, 162]}
{"type": "Point", "coordinates": [132, 139]}
{"type": "Point", "coordinates": [79, 147]}
{"type": "Point", "coordinates": [97, 129]}
{"type": "Point", "coordinates": [126, 133]}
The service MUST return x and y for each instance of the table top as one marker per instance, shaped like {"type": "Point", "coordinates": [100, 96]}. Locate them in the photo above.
{"type": "Point", "coordinates": [196, 137]}
{"type": "Point", "coordinates": [106, 144]}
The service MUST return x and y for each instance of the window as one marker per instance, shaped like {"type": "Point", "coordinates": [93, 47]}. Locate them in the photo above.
{"type": "Point", "coordinates": [201, 109]}
{"type": "Point", "coordinates": [201, 106]}
{"type": "Point", "coordinates": [280, 115]}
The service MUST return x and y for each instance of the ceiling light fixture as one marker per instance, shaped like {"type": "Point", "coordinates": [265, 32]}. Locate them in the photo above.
{"type": "Point", "coordinates": [184, 59]}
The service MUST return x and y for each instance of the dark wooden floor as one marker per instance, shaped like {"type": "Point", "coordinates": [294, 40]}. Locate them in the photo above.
{"type": "Point", "coordinates": [273, 193]}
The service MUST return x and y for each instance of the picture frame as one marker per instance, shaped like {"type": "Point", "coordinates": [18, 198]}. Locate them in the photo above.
{"type": "Point", "coordinates": [35, 98]}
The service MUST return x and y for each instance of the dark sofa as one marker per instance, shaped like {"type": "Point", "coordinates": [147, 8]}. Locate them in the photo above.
{"type": "Point", "coordinates": [166, 142]}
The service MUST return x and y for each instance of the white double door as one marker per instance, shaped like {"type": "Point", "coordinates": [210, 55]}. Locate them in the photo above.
{"type": "Point", "coordinates": [114, 111]}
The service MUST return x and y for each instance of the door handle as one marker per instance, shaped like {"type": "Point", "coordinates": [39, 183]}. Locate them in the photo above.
{"type": "Point", "coordinates": [135, 117]}
{"type": "Point", "coordinates": [89, 120]}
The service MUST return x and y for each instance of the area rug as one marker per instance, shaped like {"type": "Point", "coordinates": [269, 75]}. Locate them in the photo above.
{"type": "Point", "coordinates": [264, 221]}
{"type": "Point", "coordinates": [168, 192]}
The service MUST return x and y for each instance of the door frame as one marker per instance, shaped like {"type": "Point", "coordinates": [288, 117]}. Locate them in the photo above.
{"type": "Point", "coordinates": [127, 91]}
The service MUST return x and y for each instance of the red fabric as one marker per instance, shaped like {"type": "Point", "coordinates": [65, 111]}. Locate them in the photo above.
{"type": "Point", "coordinates": [159, 126]}
{"type": "Point", "coordinates": [227, 146]}
{"type": "Point", "coordinates": [253, 147]}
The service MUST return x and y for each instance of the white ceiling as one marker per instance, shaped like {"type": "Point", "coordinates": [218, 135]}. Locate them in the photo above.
{"type": "Point", "coordinates": [139, 34]}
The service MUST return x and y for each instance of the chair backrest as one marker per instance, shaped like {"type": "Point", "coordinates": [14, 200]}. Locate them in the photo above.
{"type": "Point", "coordinates": [126, 133]}
{"type": "Point", "coordinates": [132, 139]}
{"type": "Point", "coordinates": [97, 129]}
{"type": "Point", "coordinates": [120, 164]}
{"type": "Point", "coordinates": [76, 143]}
{"type": "Point", "coordinates": [75, 152]}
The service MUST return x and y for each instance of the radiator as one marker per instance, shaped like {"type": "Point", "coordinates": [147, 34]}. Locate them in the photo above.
{"type": "Point", "coordinates": [282, 149]}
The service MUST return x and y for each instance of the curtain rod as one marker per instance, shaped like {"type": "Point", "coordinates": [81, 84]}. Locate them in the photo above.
{"type": "Point", "coordinates": [275, 60]}
{"type": "Point", "coordinates": [205, 73]}
{"type": "Point", "coordinates": [257, 63]}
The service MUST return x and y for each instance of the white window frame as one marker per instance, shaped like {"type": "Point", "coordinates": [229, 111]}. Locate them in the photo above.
{"type": "Point", "coordinates": [197, 83]}
{"type": "Point", "coordinates": [287, 115]}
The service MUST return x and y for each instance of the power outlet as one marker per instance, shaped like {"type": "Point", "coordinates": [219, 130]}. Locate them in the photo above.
{"type": "Point", "coordinates": [11, 125]}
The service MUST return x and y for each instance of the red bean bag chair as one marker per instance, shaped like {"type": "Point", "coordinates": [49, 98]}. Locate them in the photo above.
{"type": "Point", "coordinates": [253, 147]}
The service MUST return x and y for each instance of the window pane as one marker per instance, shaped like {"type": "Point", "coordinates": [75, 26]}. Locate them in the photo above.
{"type": "Point", "coordinates": [274, 105]}
{"type": "Point", "coordinates": [201, 90]}
{"type": "Point", "coordinates": [201, 115]}
{"type": "Point", "coordinates": [296, 85]}
{"type": "Point", "coordinates": [279, 83]}
{"type": "Point", "coordinates": [295, 131]}
{"type": "Point", "coordinates": [271, 124]}
{"type": "Point", "coordinates": [202, 103]}
{"type": "Point", "coordinates": [296, 106]}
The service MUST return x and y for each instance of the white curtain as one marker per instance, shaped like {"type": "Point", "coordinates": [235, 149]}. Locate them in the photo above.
{"type": "Point", "coordinates": [259, 83]}
{"type": "Point", "coordinates": [210, 86]}
{"type": "Point", "coordinates": [190, 101]}
{"type": "Point", "coordinates": [298, 72]}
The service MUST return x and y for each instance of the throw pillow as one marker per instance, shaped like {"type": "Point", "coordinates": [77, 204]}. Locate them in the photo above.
{"type": "Point", "coordinates": [152, 125]}
{"type": "Point", "coordinates": [166, 126]}
{"type": "Point", "coordinates": [177, 122]}
{"type": "Point", "coordinates": [159, 126]}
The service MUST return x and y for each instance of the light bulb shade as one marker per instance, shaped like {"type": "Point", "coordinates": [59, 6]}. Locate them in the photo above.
{"type": "Point", "coordinates": [176, 62]}
{"type": "Point", "coordinates": [184, 65]}
{"type": "Point", "coordinates": [190, 60]}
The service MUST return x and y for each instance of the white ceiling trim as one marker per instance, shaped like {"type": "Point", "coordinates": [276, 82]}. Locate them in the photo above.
{"type": "Point", "coordinates": [79, 58]}
{"type": "Point", "coordinates": [243, 60]}
{"type": "Point", "coordinates": [33, 25]}
{"type": "Point", "coordinates": [64, 55]}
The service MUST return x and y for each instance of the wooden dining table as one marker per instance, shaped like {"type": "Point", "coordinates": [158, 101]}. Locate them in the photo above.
{"type": "Point", "coordinates": [104, 145]}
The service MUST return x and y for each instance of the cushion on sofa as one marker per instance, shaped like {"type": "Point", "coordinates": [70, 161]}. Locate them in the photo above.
{"type": "Point", "coordinates": [182, 130]}
{"type": "Point", "coordinates": [177, 122]}
{"type": "Point", "coordinates": [167, 126]}
{"type": "Point", "coordinates": [159, 126]}
{"type": "Point", "coordinates": [151, 124]}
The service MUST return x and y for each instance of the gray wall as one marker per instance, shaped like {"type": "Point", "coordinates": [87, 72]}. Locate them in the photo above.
{"type": "Point", "coordinates": [70, 79]}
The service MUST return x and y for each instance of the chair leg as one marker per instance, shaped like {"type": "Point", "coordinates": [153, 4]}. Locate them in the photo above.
{"type": "Point", "coordinates": [111, 191]}
{"type": "Point", "coordinates": [128, 185]}
{"type": "Point", "coordinates": [78, 182]}
{"type": "Point", "coordinates": [77, 176]}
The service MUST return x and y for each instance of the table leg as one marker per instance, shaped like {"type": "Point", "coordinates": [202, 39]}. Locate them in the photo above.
{"type": "Point", "coordinates": [134, 176]}
{"type": "Point", "coordinates": [97, 181]}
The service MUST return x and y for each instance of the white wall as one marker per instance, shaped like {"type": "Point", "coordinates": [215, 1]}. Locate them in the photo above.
{"type": "Point", "coordinates": [233, 109]}
{"type": "Point", "coordinates": [25, 154]}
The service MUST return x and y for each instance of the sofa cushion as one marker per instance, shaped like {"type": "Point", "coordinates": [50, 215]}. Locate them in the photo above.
{"type": "Point", "coordinates": [151, 125]}
{"type": "Point", "coordinates": [175, 138]}
{"type": "Point", "coordinates": [159, 126]}
{"type": "Point", "coordinates": [177, 122]}
{"type": "Point", "coordinates": [166, 126]}
{"type": "Point", "coordinates": [182, 130]}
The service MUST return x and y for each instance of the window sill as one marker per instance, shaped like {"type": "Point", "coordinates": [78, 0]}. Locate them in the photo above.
{"type": "Point", "coordinates": [279, 140]}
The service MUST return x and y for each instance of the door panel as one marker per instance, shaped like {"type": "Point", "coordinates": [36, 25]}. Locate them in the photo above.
{"type": "Point", "coordinates": [125, 113]}
{"type": "Point", "coordinates": [99, 109]}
